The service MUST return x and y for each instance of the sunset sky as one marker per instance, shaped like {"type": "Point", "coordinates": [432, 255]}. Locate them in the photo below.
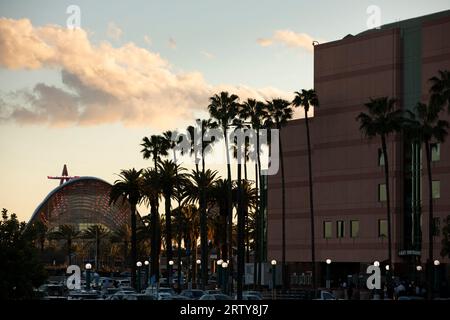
{"type": "Point", "coordinates": [86, 97]}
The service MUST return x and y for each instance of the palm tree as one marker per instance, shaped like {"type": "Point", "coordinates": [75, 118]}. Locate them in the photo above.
{"type": "Point", "coordinates": [223, 107]}
{"type": "Point", "coordinates": [39, 233]}
{"type": "Point", "coordinates": [171, 177]}
{"type": "Point", "coordinates": [427, 128]}
{"type": "Point", "coordinates": [440, 88]}
{"type": "Point", "coordinates": [279, 113]}
{"type": "Point", "coordinates": [307, 99]}
{"type": "Point", "coordinates": [67, 233]}
{"type": "Point", "coordinates": [256, 112]}
{"type": "Point", "coordinates": [151, 187]}
{"type": "Point", "coordinates": [96, 233]}
{"type": "Point", "coordinates": [154, 148]}
{"type": "Point", "coordinates": [122, 236]}
{"type": "Point", "coordinates": [129, 188]}
{"type": "Point", "coordinates": [381, 121]}
{"type": "Point", "coordinates": [197, 189]}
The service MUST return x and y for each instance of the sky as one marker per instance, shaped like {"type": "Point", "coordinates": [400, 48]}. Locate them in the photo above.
{"type": "Point", "coordinates": [86, 96]}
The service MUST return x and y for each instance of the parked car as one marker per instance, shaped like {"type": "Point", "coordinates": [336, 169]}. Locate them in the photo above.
{"type": "Point", "coordinates": [139, 296]}
{"type": "Point", "coordinates": [325, 295]}
{"type": "Point", "coordinates": [253, 293]}
{"type": "Point", "coordinates": [194, 294]}
{"type": "Point", "coordinates": [216, 296]}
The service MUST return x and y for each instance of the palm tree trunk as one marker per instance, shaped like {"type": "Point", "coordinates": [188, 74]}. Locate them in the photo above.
{"type": "Point", "coordinates": [311, 205]}
{"type": "Point", "coordinates": [283, 218]}
{"type": "Point", "coordinates": [260, 217]}
{"type": "Point", "coordinates": [133, 245]}
{"type": "Point", "coordinates": [256, 239]}
{"type": "Point", "coordinates": [69, 250]}
{"type": "Point", "coordinates": [430, 270]}
{"type": "Point", "coordinates": [155, 241]}
{"type": "Point", "coordinates": [228, 253]}
{"type": "Point", "coordinates": [240, 235]}
{"type": "Point", "coordinates": [388, 201]}
{"type": "Point", "coordinates": [203, 231]}
{"type": "Point", "coordinates": [179, 220]}
{"type": "Point", "coordinates": [169, 253]}
{"type": "Point", "coordinates": [247, 237]}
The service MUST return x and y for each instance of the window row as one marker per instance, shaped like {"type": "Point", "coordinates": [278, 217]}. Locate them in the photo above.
{"type": "Point", "coordinates": [435, 185]}
{"type": "Point", "coordinates": [435, 154]}
{"type": "Point", "coordinates": [354, 229]}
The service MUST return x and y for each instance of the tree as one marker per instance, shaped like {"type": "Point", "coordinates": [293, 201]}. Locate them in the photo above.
{"type": "Point", "coordinates": [122, 236]}
{"type": "Point", "coordinates": [154, 148]}
{"type": "Point", "coordinates": [382, 121]}
{"type": "Point", "coordinates": [440, 88]}
{"type": "Point", "coordinates": [21, 270]}
{"type": "Point", "coordinates": [67, 233]}
{"type": "Point", "coordinates": [171, 177]}
{"type": "Point", "coordinates": [223, 107]}
{"type": "Point", "coordinates": [129, 188]}
{"type": "Point", "coordinates": [39, 232]}
{"type": "Point", "coordinates": [97, 233]}
{"type": "Point", "coordinates": [306, 99]}
{"type": "Point", "coordinates": [255, 112]}
{"type": "Point", "coordinates": [200, 187]}
{"type": "Point", "coordinates": [279, 113]}
{"type": "Point", "coordinates": [426, 128]}
{"type": "Point", "coordinates": [152, 190]}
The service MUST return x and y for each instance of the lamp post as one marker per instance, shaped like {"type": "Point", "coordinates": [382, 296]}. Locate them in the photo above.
{"type": "Point", "coordinates": [197, 268]}
{"type": "Point", "coordinates": [147, 266]}
{"type": "Point", "coordinates": [376, 263]}
{"type": "Point", "coordinates": [138, 278]}
{"type": "Point", "coordinates": [328, 284]}
{"type": "Point", "coordinates": [225, 280]}
{"type": "Point", "coordinates": [88, 267]}
{"type": "Point", "coordinates": [219, 273]}
{"type": "Point", "coordinates": [169, 275]}
{"type": "Point", "coordinates": [274, 278]}
{"type": "Point", "coordinates": [436, 274]}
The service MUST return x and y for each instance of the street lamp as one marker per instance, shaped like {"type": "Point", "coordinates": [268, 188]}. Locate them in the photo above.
{"type": "Point", "coordinates": [225, 282]}
{"type": "Point", "coordinates": [169, 276]}
{"type": "Point", "coordinates": [197, 268]}
{"type": "Point", "coordinates": [88, 267]}
{"type": "Point", "coordinates": [436, 273]}
{"type": "Point", "coordinates": [219, 272]}
{"type": "Point", "coordinates": [419, 268]}
{"type": "Point", "coordinates": [147, 271]}
{"type": "Point", "coordinates": [138, 265]}
{"type": "Point", "coordinates": [376, 263]}
{"type": "Point", "coordinates": [274, 277]}
{"type": "Point", "coordinates": [328, 284]}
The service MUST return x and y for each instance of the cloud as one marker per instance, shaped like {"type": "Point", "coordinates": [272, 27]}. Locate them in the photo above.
{"type": "Point", "coordinates": [264, 42]}
{"type": "Point", "coordinates": [101, 83]}
{"type": "Point", "coordinates": [290, 39]}
{"type": "Point", "coordinates": [207, 54]}
{"type": "Point", "coordinates": [172, 43]}
{"type": "Point", "coordinates": [114, 32]}
{"type": "Point", "coordinates": [148, 40]}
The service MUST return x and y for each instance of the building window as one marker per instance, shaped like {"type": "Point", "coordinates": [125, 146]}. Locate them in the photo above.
{"type": "Point", "coordinates": [436, 227]}
{"type": "Point", "coordinates": [382, 192]}
{"type": "Point", "coordinates": [436, 189]}
{"type": "Point", "coordinates": [354, 228]}
{"type": "Point", "coordinates": [327, 226]}
{"type": "Point", "coordinates": [340, 231]}
{"type": "Point", "coordinates": [380, 157]}
{"type": "Point", "coordinates": [382, 228]}
{"type": "Point", "coordinates": [435, 151]}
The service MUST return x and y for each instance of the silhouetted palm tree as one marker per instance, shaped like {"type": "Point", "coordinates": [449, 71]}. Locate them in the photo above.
{"type": "Point", "coordinates": [306, 99]}
{"type": "Point", "coordinates": [440, 89]}
{"type": "Point", "coordinates": [381, 121]}
{"type": "Point", "coordinates": [129, 188]}
{"type": "Point", "coordinates": [152, 190]}
{"type": "Point", "coordinates": [67, 233]}
{"type": "Point", "coordinates": [96, 233]}
{"type": "Point", "coordinates": [200, 187]}
{"type": "Point", "coordinates": [122, 236]}
{"type": "Point", "coordinates": [223, 107]}
{"type": "Point", "coordinates": [279, 113]}
{"type": "Point", "coordinates": [255, 112]}
{"type": "Point", "coordinates": [171, 177]}
{"type": "Point", "coordinates": [154, 148]}
{"type": "Point", "coordinates": [427, 128]}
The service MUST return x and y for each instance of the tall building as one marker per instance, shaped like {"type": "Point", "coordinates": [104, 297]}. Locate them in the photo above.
{"type": "Point", "coordinates": [395, 60]}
